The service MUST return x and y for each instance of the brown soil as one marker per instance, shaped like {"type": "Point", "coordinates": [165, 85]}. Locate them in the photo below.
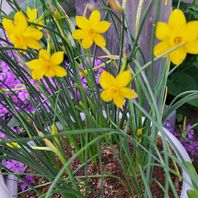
{"type": "Point", "coordinates": [112, 188]}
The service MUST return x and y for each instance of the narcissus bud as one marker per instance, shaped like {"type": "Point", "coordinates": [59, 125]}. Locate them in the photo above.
{"type": "Point", "coordinates": [139, 132]}
{"type": "Point", "coordinates": [115, 5]}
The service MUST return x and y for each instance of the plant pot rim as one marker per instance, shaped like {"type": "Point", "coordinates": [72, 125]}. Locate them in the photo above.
{"type": "Point", "coordinates": [187, 183]}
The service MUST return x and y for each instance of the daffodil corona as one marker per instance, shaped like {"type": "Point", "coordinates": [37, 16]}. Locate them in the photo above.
{"type": "Point", "coordinates": [20, 34]}
{"type": "Point", "coordinates": [115, 87]}
{"type": "Point", "coordinates": [47, 65]}
{"type": "Point", "coordinates": [91, 29]}
{"type": "Point", "coordinates": [175, 33]}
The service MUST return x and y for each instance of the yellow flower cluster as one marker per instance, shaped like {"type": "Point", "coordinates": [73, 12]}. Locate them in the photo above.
{"type": "Point", "coordinates": [24, 36]}
{"type": "Point", "coordinates": [178, 36]}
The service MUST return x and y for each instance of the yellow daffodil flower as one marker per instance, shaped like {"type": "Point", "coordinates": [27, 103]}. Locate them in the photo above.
{"type": "Point", "coordinates": [91, 29]}
{"type": "Point", "coordinates": [32, 17]}
{"type": "Point", "coordinates": [177, 32]}
{"type": "Point", "coordinates": [20, 34]}
{"type": "Point", "coordinates": [115, 87]}
{"type": "Point", "coordinates": [47, 65]}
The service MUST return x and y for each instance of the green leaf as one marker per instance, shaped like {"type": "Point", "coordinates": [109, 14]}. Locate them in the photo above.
{"type": "Point", "coordinates": [195, 64]}
{"type": "Point", "coordinates": [191, 168]}
{"type": "Point", "coordinates": [13, 122]}
{"type": "Point", "coordinates": [181, 82]}
{"type": "Point", "coordinates": [192, 193]}
{"type": "Point", "coordinates": [192, 174]}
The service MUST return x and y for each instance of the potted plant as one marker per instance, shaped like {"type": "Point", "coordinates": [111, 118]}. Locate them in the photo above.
{"type": "Point", "coordinates": [98, 98]}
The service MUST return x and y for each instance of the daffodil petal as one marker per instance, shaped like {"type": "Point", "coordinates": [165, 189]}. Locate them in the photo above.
{"type": "Point", "coordinates": [106, 95]}
{"type": "Point", "coordinates": [162, 31]}
{"type": "Point", "coordinates": [178, 55]}
{"type": "Point", "coordinates": [191, 31]}
{"type": "Point", "coordinates": [127, 93]}
{"type": "Point", "coordinates": [94, 18]}
{"type": "Point", "coordinates": [87, 42]}
{"type": "Point", "coordinates": [57, 58]}
{"type": "Point", "coordinates": [31, 43]}
{"type": "Point", "coordinates": [59, 71]}
{"type": "Point", "coordinates": [177, 20]}
{"type": "Point", "coordinates": [106, 80]}
{"type": "Point", "coordinates": [192, 46]}
{"type": "Point", "coordinates": [99, 40]}
{"type": "Point", "coordinates": [37, 75]}
{"type": "Point", "coordinates": [43, 54]}
{"type": "Point", "coordinates": [39, 22]}
{"type": "Point", "coordinates": [21, 45]}
{"type": "Point", "coordinates": [103, 26]}
{"type": "Point", "coordinates": [82, 22]}
{"type": "Point", "coordinates": [8, 25]}
{"type": "Point", "coordinates": [78, 34]}
{"type": "Point", "coordinates": [34, 64]}
{"type": "Point", "coordinates": [32, 14]}
{"type": "Point", "coordinates": [20, 22]}
{"type": "Point", "coordinates": [33, 33]}
{"type": "Point", "coordinates": [118, 101]}
{"type": "Point", "coordinates": [161, 48]}
{"type": "Point", "coordinates": [50, 73]}
{"type": "Point", "coordinates": [123, 79]}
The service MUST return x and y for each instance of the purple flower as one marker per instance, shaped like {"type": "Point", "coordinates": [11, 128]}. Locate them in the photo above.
{"type": "Point", "coordinates": [23, 95]}
{"type": "Point", "coordinates": [23, 186]}
{"type": "Point", "coordinates": [14, 166]}
{"type": "Point", "coordinates": [189, 132]}
{"type": "Point", "coordinates": [97, 72]}
{"type": "Point", "coordinates": [188, 141]}
{"type": "Point", "coordinates": [2, 136]}
{"type": "Point", "coordinates": [3, 110]}
{"type": "Point", "coordinates": [167, 125]}
{"type": "Point", "coordinates": [191, 147]}
{"type": "Point", "coordinates": [8, 80]}
{"type": "Point", "coordinates": [29, 180]}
